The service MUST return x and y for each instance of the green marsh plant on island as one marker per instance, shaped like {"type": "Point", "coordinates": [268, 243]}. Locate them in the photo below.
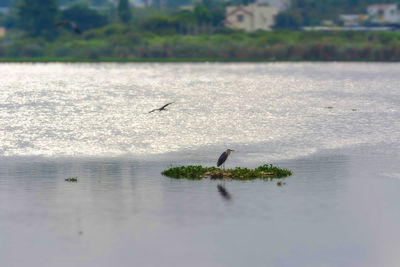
{"type": "Point", "coordinates": [71, 179]}
{"type": "Point", "coordinates": [267, 172]}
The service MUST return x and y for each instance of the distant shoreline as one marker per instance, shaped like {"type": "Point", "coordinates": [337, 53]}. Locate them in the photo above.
{"type": "Point", "coordinates": [121, 43]}
{"type": "Point", "coordinates": [176, 60]}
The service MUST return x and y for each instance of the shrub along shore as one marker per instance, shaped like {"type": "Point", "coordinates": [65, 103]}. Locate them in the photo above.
{"type": "Point", "coordinates": [126, 43]}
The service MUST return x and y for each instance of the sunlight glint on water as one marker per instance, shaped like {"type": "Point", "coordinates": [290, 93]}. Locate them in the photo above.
{"type": "Point", "coordinates": [101, 109]}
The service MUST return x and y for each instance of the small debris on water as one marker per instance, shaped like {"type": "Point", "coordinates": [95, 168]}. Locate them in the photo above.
{"type": "Point", "coordinates": [280, 183]}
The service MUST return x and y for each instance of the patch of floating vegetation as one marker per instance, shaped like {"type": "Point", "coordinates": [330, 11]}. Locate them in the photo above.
{"type": "Point", "coordinates": [267, 172]}
{"type": "Point", "coordinates": [71, 179]}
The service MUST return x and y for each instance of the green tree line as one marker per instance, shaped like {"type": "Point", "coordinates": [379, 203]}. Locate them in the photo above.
{"type": "Point", "coordinates": [126, 33]}
{"type": "Point", "coordinates": [36, 18]}
{"type": "Point", "coordinates": [128, 42]}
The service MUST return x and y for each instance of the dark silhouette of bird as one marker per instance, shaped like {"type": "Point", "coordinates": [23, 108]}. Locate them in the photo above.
{"type": "Point", "coordinates": [162, 108]}
{"type": "Point", "coordinates": [223, 192]}
{"type": "Point", "coordinates": [70, 24]}
{"type": "Point", "coordinates": [224, 156]}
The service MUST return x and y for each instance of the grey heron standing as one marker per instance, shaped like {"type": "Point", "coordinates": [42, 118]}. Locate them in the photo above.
{"type": "Point", "coordinates": [224, 156]}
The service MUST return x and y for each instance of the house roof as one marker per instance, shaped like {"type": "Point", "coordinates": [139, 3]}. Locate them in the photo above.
{"type": "Point", "coordinates": [238, 8]}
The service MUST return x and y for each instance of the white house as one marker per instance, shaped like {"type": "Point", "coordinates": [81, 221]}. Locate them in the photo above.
{"type": "Point", "coordinates": [383, 13]}
{"type": "Point", "coordinates": [252, 17]}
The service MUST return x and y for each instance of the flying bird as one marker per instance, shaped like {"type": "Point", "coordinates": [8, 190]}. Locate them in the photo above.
{"type": "Point", "coordinates": [162, 108]}
{"type": "Point", "coordinates": [224, 156]}
{"type": "Point", "coordinates": [70, 24]}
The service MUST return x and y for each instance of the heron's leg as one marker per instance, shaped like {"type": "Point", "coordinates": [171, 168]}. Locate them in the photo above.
{"type": "Point", "coordinates": [223, 178]}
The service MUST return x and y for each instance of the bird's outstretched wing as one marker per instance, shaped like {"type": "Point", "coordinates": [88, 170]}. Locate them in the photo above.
{"type": "Point", "coordinates": [162, 108]}
{"type": "Point", "coordinates": [153, 110]}
{"type": "Point", "coordinates": [166, 105]}
{"type": "Point", "coordinates": [61, 23]}
{"type": "Point", "coordinates": [71, 24]}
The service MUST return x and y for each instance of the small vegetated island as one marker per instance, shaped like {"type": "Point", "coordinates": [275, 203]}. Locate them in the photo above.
{"type": "Point", "coordinates": [71, 179]}
{"type": "Point", "coordinates": [266, 172]}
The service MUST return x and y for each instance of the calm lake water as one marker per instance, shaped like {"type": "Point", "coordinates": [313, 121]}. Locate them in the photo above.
{"type": "Point", "coordinates": [335, 125]}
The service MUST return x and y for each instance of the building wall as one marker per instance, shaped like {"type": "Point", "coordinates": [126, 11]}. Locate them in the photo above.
{"type": "Point", "coordinates": [383, 13]}
{"type": "Point", "coordinates": [264, 17]}
{"type": "Point", "coordinates": [252, 17]}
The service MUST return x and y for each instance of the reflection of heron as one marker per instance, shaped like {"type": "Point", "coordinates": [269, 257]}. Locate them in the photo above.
{"type": "Point", "coordinates": [223, 157]}
{"type": "Point", "coordinates": [162, 108]}
{"type": "Point", "coordinates": [71, 24]}
{"type": "Point", "coordinates": [224, 193]}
